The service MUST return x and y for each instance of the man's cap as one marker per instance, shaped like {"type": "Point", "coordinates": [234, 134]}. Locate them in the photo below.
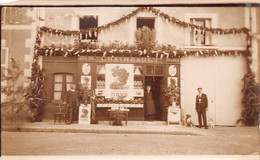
{"type": "Point", "coordinates": [199, 88]}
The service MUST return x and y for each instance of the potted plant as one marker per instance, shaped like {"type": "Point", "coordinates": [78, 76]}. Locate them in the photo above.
{"type": "Point", "coordinates": [172, 92]}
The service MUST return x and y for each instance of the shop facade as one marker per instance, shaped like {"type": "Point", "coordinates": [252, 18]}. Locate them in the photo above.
{"type": "Point", "coordinates": [73, 45]}
{"type": "Point", "coordinates": [61, 72]}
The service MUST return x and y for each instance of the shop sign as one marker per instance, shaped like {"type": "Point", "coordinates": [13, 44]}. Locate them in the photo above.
{"type": "Point", "coordinates": [126, 59]}
{"type": "Point", "coordinates": [119, 81]}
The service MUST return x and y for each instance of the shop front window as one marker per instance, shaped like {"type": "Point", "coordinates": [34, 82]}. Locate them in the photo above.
{"type": "Point", "coordinates": [62, 83]}
{"type": "Point", "coordinates": [200, 37]}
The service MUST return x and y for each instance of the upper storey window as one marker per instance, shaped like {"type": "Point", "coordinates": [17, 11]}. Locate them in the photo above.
{"type": "Point", "coordinates": [87, 22]}
{"type": "Point", "coordinates": [148, 22]}
{"type": "Point", "coordinates": [200, 37]}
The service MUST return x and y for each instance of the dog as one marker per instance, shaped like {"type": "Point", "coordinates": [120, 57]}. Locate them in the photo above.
{"type": "Point", "coordinates": [211, 123]}
{"type": "Point", "coordinates": [189, 121]}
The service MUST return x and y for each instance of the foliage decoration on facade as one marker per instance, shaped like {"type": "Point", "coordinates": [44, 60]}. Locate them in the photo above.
{"type": "Point", "coordinates": [251, 92]}
{"type": "Point", "coordinates": [133, 51]}
{"type": "Point", "coordinates": [35, 93]}
{"type": "Point", "coordinates": [169, 19]}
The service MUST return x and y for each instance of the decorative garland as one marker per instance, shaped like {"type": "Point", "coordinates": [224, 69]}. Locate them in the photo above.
{"type": "Point", "coordinates": [251, 90]}
{"type": "Point", "coordinates": [157, 12]}
{"type": "Point", "coordinates": [134, 52]}
{"type": "Point", "coordinates": [35, 94]}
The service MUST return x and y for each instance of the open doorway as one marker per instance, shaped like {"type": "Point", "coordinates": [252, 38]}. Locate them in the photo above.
{"type": "Point", "coordinates": [156, 83]}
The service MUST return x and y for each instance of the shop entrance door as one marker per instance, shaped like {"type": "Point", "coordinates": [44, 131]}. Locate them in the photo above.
{"type": "Point", "coordinates": [156, 84]}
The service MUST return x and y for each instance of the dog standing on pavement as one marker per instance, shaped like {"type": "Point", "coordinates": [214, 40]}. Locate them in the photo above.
{"type": "Point", "coordinates": [211, 123]}
{"type": "Point", "coordinates": [189, 121]}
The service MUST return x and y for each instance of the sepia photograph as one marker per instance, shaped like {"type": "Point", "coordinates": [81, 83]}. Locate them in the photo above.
{"type": "Point", "coordinates": [130, 79]}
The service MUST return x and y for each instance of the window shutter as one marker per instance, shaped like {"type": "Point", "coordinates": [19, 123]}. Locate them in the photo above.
{"type": "Point", "coordinates": [207, 34]}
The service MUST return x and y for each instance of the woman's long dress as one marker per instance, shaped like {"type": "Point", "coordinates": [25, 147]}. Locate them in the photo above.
{"type": "Point", "coordinates": [149, 103]}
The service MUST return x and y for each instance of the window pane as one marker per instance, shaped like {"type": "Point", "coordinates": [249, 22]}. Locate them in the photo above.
{"type": "Point", "coordinates": [148, 22]}
{"type": "Point", "coordinates": [150, 70]}
{"type": "Point", "coordinates": [58, 78]}
{"type": "Point", "coordinates": [3, 56]}
{"type": "Point", "coordinates": [58, 87]}
{"type": "Point", "coordinates": [69, 78]}
{"type": "Point", "coordinates": [159, 70]}
{"type": "Point", "coordinates": [89, 22]}
{"type": "Point", "coordinates": [138, 70]}
{"type": "Point", "coordinates": [101, 69]}
{"type": "Point", "coordinates": [68, 86]}
{"type": "Point", "coordinates": [57, 95]}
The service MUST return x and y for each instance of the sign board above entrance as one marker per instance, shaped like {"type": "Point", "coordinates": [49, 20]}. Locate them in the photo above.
{"type": "Point", "coordinates": [126, 59]}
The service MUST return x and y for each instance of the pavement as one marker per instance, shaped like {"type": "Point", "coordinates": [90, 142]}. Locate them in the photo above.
{"type": "Point", "coordinates": [133, 127]}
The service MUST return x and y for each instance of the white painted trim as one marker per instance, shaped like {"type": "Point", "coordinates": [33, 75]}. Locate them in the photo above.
{"type": "Point", "coordinates": [27, 72]}
{"type": "Point", "coordinates": [40, 61]}
{"type": "Point", "coordinates": [9, 26]}
{"type": "Point", "coordinates": [247, 10]}
{"type": "Point", "coordinates": [25, 85]}
{"type": "Point", "coordinates": [132, 29]}
{"type": "Point", "coordinates": [3, 42]}
{"type": "Point", "coordinates": [28, 43]}
{"type": "Point", "coordinates": [214, 47]}
{"type": "Point", "coordinates": [28, 58]}
{"type": "Point", "coordinates": [41, 12]}
{"type": "Point", "coordinates": [254, 19]}
{"type": "Point", "coordinates": [158, 29]}
{"type": "Point", "coordinates": [7, 55]}
{"type": "Point", "coordinates": [75, 22]}
{"type": "Point", "coordinates": [4, 83]}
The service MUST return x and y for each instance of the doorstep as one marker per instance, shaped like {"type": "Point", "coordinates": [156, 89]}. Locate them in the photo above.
{"type": "Point", "coordinates": [133, 127]}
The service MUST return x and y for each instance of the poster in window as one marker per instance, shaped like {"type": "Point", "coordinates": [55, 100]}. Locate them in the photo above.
{"type": "Point", "coordinates": [86, 80]}
{"type": "Point", "coordinates": [119, 81]}
{"type": "Point", "coordinates": [173, 80]}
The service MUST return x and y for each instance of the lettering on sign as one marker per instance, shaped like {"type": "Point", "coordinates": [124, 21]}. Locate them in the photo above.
{"type": "Point", "coordinates": [127, 59]}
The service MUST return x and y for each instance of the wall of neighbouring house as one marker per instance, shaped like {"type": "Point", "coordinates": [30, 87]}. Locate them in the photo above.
{"type": "Point", "coordinates": [18, 34]}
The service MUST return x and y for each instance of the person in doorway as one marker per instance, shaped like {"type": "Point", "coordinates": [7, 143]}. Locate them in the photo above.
{"type": "Point", "coordinates": [73, 102]}
{"type": "Point", "coordinates": [149, 103]}
{"type": "Point", "coordinates": [202, 107]}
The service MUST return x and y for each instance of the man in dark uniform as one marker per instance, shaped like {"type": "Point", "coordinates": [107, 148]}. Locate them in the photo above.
{"type": "Point", "coordinates": [202, 107]}
{"type": "Point", "coordinates": [72, 101]}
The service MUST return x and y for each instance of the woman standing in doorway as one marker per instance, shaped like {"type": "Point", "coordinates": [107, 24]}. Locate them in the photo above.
{"type": "Point", "coordinates": [149, 103]}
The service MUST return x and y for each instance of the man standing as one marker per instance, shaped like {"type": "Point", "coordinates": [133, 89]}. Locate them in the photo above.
{"type": "Point", "coordinates": [72, 100]}
{"type": "Point", "coordinates": [202, 107]}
